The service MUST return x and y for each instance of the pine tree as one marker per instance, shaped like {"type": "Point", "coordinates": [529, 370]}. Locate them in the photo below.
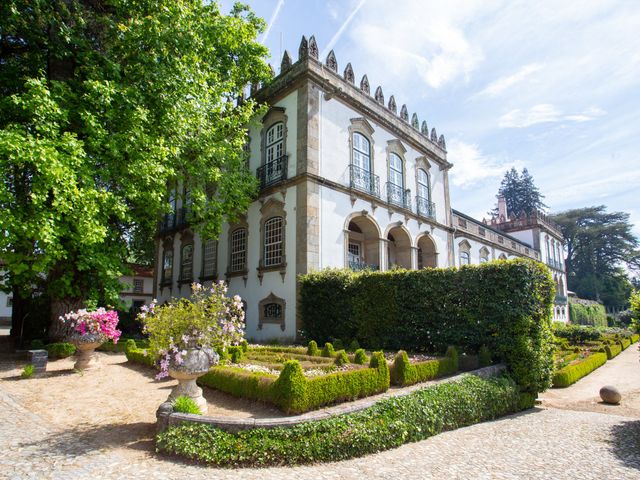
{"type": "Point", "coordinates": [520, 194]}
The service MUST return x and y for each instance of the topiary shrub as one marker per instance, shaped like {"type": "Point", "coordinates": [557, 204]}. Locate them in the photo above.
{"type": "Point", "coordinates": [130, 344]}
{"type": "Point", "coordinates": [235, 353]}
{"type": "Point", "coordinates": [625, 342]}
{"type": "Point", "coordinates": [312, 349]}
{"type": "Point", "coordinates": [244, 345]}
{"type": "Point", "coordinates": [328, 350]}
{"type": "Point", "coordinates": [184, 404]}
{"type": "Point", "coordinates": [353, 346]}
{"type": "Point", "coordinates": [341, 358]}
{"type": "Point", "coordinates": [290, 389]}
{"type": "Point", "coordinates": [401, 371]}
{"type": "Point", "coordinates": [572, 373]}
{"type": "Point", "coordinates": [484, 356]}
{"type": "Point", "coordinates": [60, 350]}
{"type": "Point", "coordinates": [612, 350]}
{"type": "Point", "coordinates": [360, 357]}
{"type": "Point", "coordinates": [452, 353]}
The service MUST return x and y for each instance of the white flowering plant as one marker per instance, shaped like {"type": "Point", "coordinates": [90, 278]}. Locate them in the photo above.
{"type": "Point", "coordinates": [210, 319]}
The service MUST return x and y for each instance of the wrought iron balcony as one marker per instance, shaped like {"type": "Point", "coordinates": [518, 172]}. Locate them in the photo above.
{"type": "Point", "coordinates": [425, 208]}
{"type": "Point", "coordinates": [273, 172]}
{"type": "Point", "coordinates": [363, 180]}
{"type": "Point", "coordinates": [398, 196]}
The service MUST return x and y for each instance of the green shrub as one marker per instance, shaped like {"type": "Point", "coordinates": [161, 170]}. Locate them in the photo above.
{"type": "Point", "coordinates": [27, 371]}
{"type": "Point", "coordinates": [572, 373]}
{"type": "Point", "coordinates": [244, 345]}
{"type": "Point", "coordinates": [360, 357]}
{"type": "Point", "coordinates": [353, 346]}
{"type": "Point", "coordinates": [240, 383]}
{"type": "Point", "coordinates": [312, 349]}
{"type": "Point", "coordinates": [328, 350]}
{"type": "Point", "coordinates": [405, 373]}
{"type": "Point", "coordinates": [588, 313]}
{"type": "Point", "coordinates": [337, 344]}
{"type": "Point", "coordinates": [60, 350]}
{"type": "Point", "coordinates": [625, 343]}
{"type": "Point", "coordinates": [235, 353]}
{"type": "Point", "coordinates": [503, 305]}
{"type": "Point", "coordinates": [130, 345]}
{"type": "Point", "coordinates": [186, 405]}
{"type": "Point", "coordinates": [388, 424]}
{"type": "Point", "coordinates": [37, 344]}
{"type": "Point", "coordinates": [577, 333]}
{"type": "Point", "coordinates": [612, 350]}
{"type": "Point", "coordinates": [290, 389]}
{"type": "Point", "coordinates": [484, 356]}
{"type": "Point", "coordinates": [140, 356]}
{"type": "Point", "coordinates": [452, 353]}
{"type": "Point", "coordinates": [341, 358]}
{"type": "Point", "coordinates": [635, 337]}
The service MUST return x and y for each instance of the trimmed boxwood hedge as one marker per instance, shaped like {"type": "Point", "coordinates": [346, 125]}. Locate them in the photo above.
{"type": "Point", "coordinates": [635, 337]}
{"type": "Point", "coordinates": [572, 373]}
{"type": "Point", "coordinates": [293, 392]}
{"type": "Point", "coordinates": [139, 355]}
{"type": "Point", "coordinates": [612, 350]}
{"type": "Point", "coordinates": [504, 305]}
{"type": "Point", "coordinates": [388, 424]}
{"type": "Point", "coordinates": [60, 350]}
{"type": "Point", "coordinates": [625, 343]}
{"type": "Point", "coordinates": [405, 373]}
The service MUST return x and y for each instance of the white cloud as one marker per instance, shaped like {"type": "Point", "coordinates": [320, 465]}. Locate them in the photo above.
{"type": "Point", "coordinates": [471, 165]}
{"type": "Point", "coordinates": [503, 83]}
{"type": "Point", "coordinates": [544, 113]}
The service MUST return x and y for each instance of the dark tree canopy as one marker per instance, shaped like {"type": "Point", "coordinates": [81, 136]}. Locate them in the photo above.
{"type": "Point", "coordinates": [520, 193]}
{"type": "Point", "coordinates": [104, 104]}
{"type": "Point", "coordinates": [600, 245]}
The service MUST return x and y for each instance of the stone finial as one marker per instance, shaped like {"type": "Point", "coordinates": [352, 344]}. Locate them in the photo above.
{"type": "Point", "coordinates": [404, 114]}
{"type": "Point", "coordinates": [286, 61]}
{"type": "Point", "coordinates": [272, 70]}
{"type": "Point", "coordinates": [441, 142]}
{"type": "Point", "coordinates": [303, 49]}
{"type": "Point", "coordinates": [424, 128]}
{"type": "Point", "coordinates": [379, 96]}
{"type": "Point", "coordinates": [331, 61]}
{"type": "Point", "coordinates": [313, 47]}
{"type": "Point", "coordinates": [364, 85]}
{"type": "Point", "coordinates": [414, 121]}
{"type": "Point", "coordinates": [434, 135]}
{"type": "Point", "coordinates": [348, 74]}
{"type": "Point", "coordinates": [392, 104]}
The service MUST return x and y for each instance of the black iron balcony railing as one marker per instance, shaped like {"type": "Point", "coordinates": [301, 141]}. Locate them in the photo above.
{"type": "Point", "coordinates": [425, 208]}
{"type": "Point", "coordinates": [397, 195]}
{"type": "Point", "coordinates": [357, 264]}
{"type": "Point", "coordinates": [273, 172]}
{"type": "Point", "coordinates": [363, 180]}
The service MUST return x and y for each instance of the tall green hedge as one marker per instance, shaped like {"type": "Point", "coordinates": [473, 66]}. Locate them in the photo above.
{"type": "Point", "coordinates": [593, 314]}
{"type": "Point", "coordinates": [505, 306]}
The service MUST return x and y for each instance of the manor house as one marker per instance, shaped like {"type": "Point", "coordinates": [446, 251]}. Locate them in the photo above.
{"type": "Point", "coordinates": [347, 180]}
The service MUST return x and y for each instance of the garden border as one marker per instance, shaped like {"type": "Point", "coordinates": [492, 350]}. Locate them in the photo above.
{"type": "Point", "coordinates": [166, 417]}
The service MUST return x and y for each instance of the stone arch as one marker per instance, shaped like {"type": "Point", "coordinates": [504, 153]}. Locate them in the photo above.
{"type": "Point", "coordinates": [427, 251]}
{"type": "Point", "coordinates": [399, 246]}
{"type": "Point", "coordinates": [502, 256]}
{"type": "Point", "coordinates": [362, 241]}
{"type": "Point", "coordinates": [464, 253]}
{"type": "Point", "coordinates": [484, 254]}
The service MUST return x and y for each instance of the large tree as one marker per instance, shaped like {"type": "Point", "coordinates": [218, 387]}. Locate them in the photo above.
{"type": "Point", "coordinates": [104, 104]}
{"type": "Point", "coordinates": [601, 247]}
{"type": "Point", "coordinates": [520, 193]}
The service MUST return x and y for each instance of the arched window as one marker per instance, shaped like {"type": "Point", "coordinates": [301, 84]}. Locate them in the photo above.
{"type": "Point", "coordinates": [464, 253]}
{"type": "Point", "coordinates": [465, 258]}
{"type": "Point", "coordinates": [274, 145]}
{"type": "Point", "coordinates": [167, 265]}
{"type": "Point", "coordinates": [361, 152]}
{"type": "Point", "coordinates": [396, 172]}
{"type": "Point", "coordinates": [502, 256]}
{"type": "Point", "coordinates": [186, 263]}
{"type": "Point", "coordinates": [423, 185]}
{"type": "Point", "coordinates": [238, 250]}
{"type": "Point", "coordinates": [209, 259]}
{"type": "Point", "coordinates": [484, 255]}
{"type": "Point", "coordinates": [273, 241]}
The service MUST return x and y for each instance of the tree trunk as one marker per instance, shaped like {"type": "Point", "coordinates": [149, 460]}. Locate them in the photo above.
{"type": "Point", "coordinates": [59, 307]}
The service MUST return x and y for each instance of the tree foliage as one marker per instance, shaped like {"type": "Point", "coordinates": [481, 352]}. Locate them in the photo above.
{"type": "Point", "coordinates": [104, 104]}
{"type": "Point", "coordinates": [520, 193]}
{"type": "Point", "coordinates": [599, 244]}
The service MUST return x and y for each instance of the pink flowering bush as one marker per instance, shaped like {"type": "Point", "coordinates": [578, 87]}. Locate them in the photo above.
{"type": "Point", "coordinates": [99, 324]}
{"type": "Point", "coordinates": [207, 321]}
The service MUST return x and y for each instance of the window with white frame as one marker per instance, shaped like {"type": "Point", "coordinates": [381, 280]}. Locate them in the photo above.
{"type": "Point", "coordinates": [396, 172]}
{"type": "Point", "coordinates": [274, 145]}
{"type": "Point", "coordinates": [273, 233]}
{"type": "Point", "coordinates": [423, 184]}
{"type": "Point", "coordinates": [138, 285]}
{"type": "Point", "coordinates": [484, 255]}
{"type": "Point", "coordinates": [465, 258]}
{"type": "Point", "coordinates": [238, 258]}
{"type": "Point", "coordinates": [464, 254]}
{"type": "Point", "coordinates": [361, 152]}
{"type": "Point", "coordinates": [209, 258]}
{"type": "Point", "coordinates": [186, 263]}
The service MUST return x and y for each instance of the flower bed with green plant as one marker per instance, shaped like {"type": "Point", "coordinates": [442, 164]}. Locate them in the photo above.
{"type": "Point", "coordinates": [388, 424]}
{"type": "Point", "coordinates": [575, 371]}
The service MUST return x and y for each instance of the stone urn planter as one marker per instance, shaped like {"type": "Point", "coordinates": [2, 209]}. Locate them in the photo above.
{"type": "Point", "coordinates": [194, 364]}
{"type": "Point", "coordinates": [85, 351]}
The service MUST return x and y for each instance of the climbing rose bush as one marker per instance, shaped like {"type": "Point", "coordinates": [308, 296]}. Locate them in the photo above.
{"type": "Point", "coordinates": [101, 323]}
{"type": "Point", "coordinates": [208, 320]}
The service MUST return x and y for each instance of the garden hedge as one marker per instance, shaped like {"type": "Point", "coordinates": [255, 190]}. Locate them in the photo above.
{"type": "Point", "coordinates": [292, 392]}
{"type": "Point", "coordinates": [388, 424]}
{"type": "Point", "coordinates": [60, 350]}
{"type": "Point", "coordinates": [139, 355]}
{"type": "Point", "coordinates": [588, 313]}
{"type": "Point", "coordinates": [612, 350]}
{"type": "Point", "coordinates": [404, 373]}
{"type": "Point", "coordinates": [625, 343]}
{"type": "Point", "coordinates": [635, 337]}
{"type": "Point", "coordinates": [503, 305]}
{"type": "Point", "coordinates": [572, 373]}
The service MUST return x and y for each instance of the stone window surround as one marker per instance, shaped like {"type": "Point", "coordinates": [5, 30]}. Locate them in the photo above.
{"type": "Point", "coordinates": [241, 223]}
{"type": "Point", "coordinates": [273, 116]}
{"type": "Point", "coordinates": [270, 209]}
{"type": "Point", "coordinates": [186, 240]}
{"type": "Point", "coordinates": [422, 163]}
{"type": "Point", "coordinates": [395, 146]}
{"type": "Point", "coordinates": [484, 254]}
{"type": "Point", "coordinates": [213, 277]}
{"type": "Point", "coordinates": [271, 298]}
{"type": "Point", "coordinates": [167, 246]}
{"type": "Point", "coordinates": [464, 247]}
{"type": "Point", "coordinates": [363, 127]}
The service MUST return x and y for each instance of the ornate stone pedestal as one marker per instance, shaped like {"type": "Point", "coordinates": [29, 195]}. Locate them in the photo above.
{"type": "Point", "coordinates": [195, 364]}
{"type": "Point", "coordinates": [85, 356]}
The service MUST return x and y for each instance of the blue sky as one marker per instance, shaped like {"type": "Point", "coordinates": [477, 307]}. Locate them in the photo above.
{"type": "Point", "coordinates": [551, 86]}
